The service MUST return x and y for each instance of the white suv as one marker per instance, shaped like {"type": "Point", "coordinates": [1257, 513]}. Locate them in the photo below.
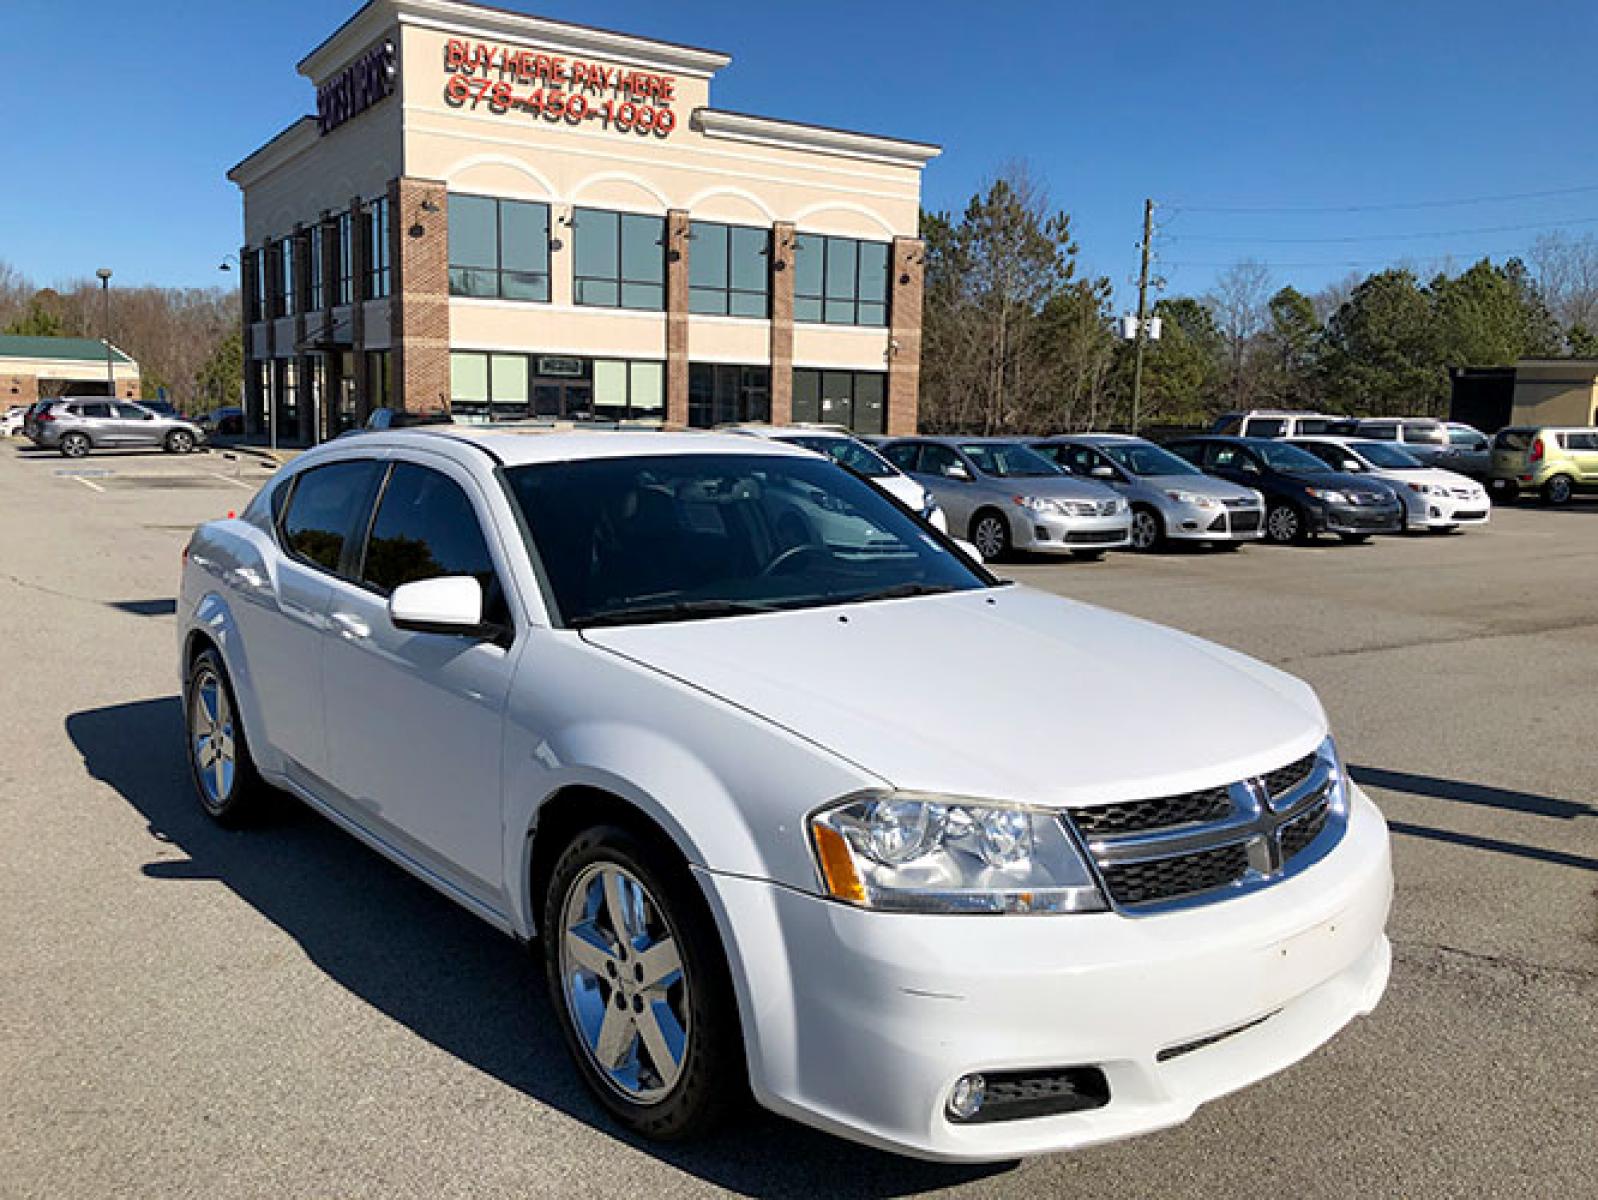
{"type": "Point", "coordinates": [622, 693]}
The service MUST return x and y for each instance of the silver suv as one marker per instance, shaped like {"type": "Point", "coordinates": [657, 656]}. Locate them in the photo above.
{"type": "Point", "coordinates": [1005, 496]}
{"type": "Point", "coordinates": [76, 426]}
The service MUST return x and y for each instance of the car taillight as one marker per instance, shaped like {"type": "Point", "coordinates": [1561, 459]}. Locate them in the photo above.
{"type": "Point", "coordinates": [1536, 454]}
{"type": "Point", "coordinates": [44, 416]}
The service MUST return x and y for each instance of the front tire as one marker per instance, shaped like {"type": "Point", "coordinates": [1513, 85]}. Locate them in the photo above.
{"type": "Point", "coordinates": [74, 445]}
{"type": "Point", "coordinates": [229, 788]}
{"type": "Point", "coordinates": [640, 985]}
{"type": "Point", "coordinates": [990, 534]}
{"type": "Point", "coordinates": [1558, 490]}
{"type": "Point", "coordinates": [179, 441]}
{"type": "Point", "coordinates": [1285, 525]}
{"type": "Point", "coordinates": [1148, 531]}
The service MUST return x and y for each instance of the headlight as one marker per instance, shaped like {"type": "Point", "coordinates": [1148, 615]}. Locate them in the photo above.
{"type": "Point", "coordinates": [911, 852]}
{"type": "Point", "coordinates": [1327, 494]}
{"type": "Point", "coordinates": [929, 506]}
{"type": "Point", "coordinates": [1428, 489]}
{"type": "Point", "coordinates": [1121, 505]}
{"type": "Point", "coordinates": [1193, 498]}
{"type": "Point", "coordinates": [1040, 504]}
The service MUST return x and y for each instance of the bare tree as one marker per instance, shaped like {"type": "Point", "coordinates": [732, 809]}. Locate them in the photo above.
{"type": "Point", "coordinates": [14, 293]}
{"type": "Point", "coordinates": [1239, 302]}
{"type": "Point", "coordinates": [1566, 268]}
{"type": "Point", "coordinates": [1334, 295]}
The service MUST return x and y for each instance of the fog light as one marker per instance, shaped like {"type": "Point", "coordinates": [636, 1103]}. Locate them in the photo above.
{"type": "Point", "coordinates": [966, 1099]}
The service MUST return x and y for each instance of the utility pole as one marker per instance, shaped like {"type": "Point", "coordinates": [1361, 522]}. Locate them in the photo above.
{"type": "Point", "coordinates": [104, 274]}
{"type": "Point", "coordinates": [1142, 311]}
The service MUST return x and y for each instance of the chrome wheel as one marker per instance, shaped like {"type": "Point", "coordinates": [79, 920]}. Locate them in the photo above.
{"type": "Point", "coordinates": [1283, 524]}
{"type": "Point", "coordinates": [180, 441]}
{"type": "Point", "coordinates": [988, 536]}
{"type": "Point", "coordinates": [212, 741]}
{"type": "Point", "coordinates": [1145, 530]}
{"type": "Point", "coordinates": [1559, 489]}
{"type": "Point", "coordinates": [74, 445]}
{"type": "Point", "coordinates": [623, 982]}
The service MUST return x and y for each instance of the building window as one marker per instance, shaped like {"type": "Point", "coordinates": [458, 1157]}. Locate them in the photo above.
{"type": "Point", "coordinates": [257, 298]}
{"type": "Point", "coordinates": [291, 295]}
{"type": "Point", "coordinates": [852, 399]}
{"type": "Point", "coordinates": [840, 281]}
{"type": "Point", "coordinates": [378, 278]}
{"type": "Point", "coordinates": [343, 260]}
{"type": "Point", "coordinates": [316, 295]}
{"type": "Point", "coordinates": [620, 260]}
{"type": "Point", "coordinates": [498, 248]}
{"type": "Point", "coordinates": [503, 387]}
{"type": "Point", "coordinates": [729, 270]}
{"type": "Point", "coordinates": [726, 393]}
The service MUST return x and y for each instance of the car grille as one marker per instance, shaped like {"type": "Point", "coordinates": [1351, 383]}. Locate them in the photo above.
{"type": "Point", "coordinates": [1245, 522]}
{"type": "Point", "coordinates": [1137, 815]}
{"type": "Point", "coordinates": [1238, 502]}
{"type": "Point", "coordinates": [1094, 536]}
{"type": "Point", "coordinates": [1201, 846]}
{"type": "Point", "coordinates": [1470, 514]}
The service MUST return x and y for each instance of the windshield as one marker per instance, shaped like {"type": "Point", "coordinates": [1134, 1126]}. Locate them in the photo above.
{"type": "Point", "coordinates": [693, 536]}
{"type": "Point", "coordinates": [1006, 461]}
{"type": "Point", "coordinates": [1143, 458]}
{"type": "Point", "coordinates": [860, 459]}
{"type": "Point", "coordinates": [1279, 456]}
{"type": "Point", "coordinates": [1385, 454]}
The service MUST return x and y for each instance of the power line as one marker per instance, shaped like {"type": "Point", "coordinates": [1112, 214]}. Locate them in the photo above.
{"type": "Point", "coordinates": [1355, 239]}
{"type": "Point", "coordinates": [1408, 206]}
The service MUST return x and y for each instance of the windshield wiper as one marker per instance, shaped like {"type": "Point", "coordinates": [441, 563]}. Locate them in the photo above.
{"type": "Point", "coordinates": [679, 610]}
{"type": "Point", "coordinates": [900, 591]}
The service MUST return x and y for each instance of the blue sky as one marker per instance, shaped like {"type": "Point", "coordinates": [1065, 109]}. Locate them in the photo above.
{"type": "Point", "coordinates": [125, 117]}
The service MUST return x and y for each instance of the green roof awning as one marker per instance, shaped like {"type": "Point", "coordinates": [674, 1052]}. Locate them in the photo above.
{"type": "Point", "coordinates": [83, 349]}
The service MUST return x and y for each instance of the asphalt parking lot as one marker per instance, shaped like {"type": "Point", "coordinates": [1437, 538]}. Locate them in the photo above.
{"type": "Point", "coordinates": [186, 1011]}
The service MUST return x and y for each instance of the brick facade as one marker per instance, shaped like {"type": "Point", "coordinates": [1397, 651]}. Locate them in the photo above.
{"type": "Point", "coordinates": [782, 248]}
{"type": "Point", "coordinates": [678, 248]}
{"type": "Point", "coordinates": [420, 303]}
{"type": "Point", "coordinates": [906, 267]}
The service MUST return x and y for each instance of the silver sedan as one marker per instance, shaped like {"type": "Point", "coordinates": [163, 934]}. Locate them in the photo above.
{"type": "Point", "coordinates": [1170, 498]}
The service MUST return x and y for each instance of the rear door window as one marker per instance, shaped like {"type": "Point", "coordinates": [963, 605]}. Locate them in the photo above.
{"type": "Point", "coordinates": [902, 456]}
{"type": "Point", "coordinates": [1381, 433]}
{"type": "Point", "coordinates": [938, 460]}
{"type": "Point", "coordinates": [1424, 435]}
{"type": "Point", "coordinates": [1265, 427]}
{"type": "Point", "coordinates": [320, 518]}
{"type": "Point", "coordinates": [99, 411]}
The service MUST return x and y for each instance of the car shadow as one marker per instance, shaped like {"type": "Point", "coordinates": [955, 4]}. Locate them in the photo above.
{"type": "Point", "coordinates": [145, 608]}
{"type": "Point", "coordinates": [429, 965]}
{"type": "Point", "coordinates": [1462, 792]}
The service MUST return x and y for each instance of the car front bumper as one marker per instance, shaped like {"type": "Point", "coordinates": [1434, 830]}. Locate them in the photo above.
{"type": "Point", "coordinates": [1054, 533]}
{"type": "Point", "coordinates": [861, 1022]}
{"type": "Point", "coordinates": [1223, 524]}
{"type": "Point", "coordinates": [1360, 518]}
{"type": "Point", "coordinates": [1422, 511]}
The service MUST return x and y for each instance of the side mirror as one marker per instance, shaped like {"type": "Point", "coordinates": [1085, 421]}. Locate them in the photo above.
{"type": "Point", "coordinates": [1102, 472]}
{"type": "Point", "coordinates": [451, 604]}
{"type": "Point", "coordinates": [958, 471]}
{"type": "Point", "coordinates": [969, 550]}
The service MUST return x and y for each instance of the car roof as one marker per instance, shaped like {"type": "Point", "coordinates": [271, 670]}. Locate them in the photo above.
{"type": "Point", "coordinates": [785, 431]}
{"type": "Point", "coordinates": [522, 447]}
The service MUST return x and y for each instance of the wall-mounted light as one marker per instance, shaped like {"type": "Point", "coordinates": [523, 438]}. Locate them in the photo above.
{"type": "Point", "coordinates": [556, 245]}
{"type": "Point", "coordinates": [417, 230]}
{"type": "Point", "coordinates": [429, 207]}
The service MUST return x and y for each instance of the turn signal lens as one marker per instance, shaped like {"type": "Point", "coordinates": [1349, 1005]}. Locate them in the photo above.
{"type": "Point", "coordinates": [837, 865]}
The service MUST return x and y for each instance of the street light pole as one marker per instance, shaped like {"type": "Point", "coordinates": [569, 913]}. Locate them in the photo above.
{"type": "Point", "coordinates": [1142, 311]}
{"type": "Point", "coordinates": [105, 328]}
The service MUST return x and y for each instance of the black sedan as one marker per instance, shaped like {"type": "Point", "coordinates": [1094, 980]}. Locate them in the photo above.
{"type": "Point", "coordinates": [1303, 496]}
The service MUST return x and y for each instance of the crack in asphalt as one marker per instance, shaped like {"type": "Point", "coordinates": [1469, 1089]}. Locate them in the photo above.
{"type": "Point", "coordinates": [1529, 972]}
{"type": "Point", "coordinates": [1530, 630]}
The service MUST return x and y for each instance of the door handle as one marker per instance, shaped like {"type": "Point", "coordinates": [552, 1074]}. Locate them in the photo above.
{"type": "Point", "coordinates": [351, 626]}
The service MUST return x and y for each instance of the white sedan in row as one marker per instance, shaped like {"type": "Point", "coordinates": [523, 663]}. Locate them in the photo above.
{"type": "Point", "coordinates": [1433, 498]}
{"type": "Point", "coordinates": [620, 693]}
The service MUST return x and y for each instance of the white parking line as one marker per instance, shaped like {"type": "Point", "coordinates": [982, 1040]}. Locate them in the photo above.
{"type": "Point", "coordinates": [88, 483]}
{"type": "Point", "coordinates": [229, 479]}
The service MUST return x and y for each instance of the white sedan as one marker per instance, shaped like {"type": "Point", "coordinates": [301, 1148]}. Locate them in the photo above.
{"type": "Point", "coordinates": [1433, 498]}
{"type": "Point", "coordinates": [597, 689]}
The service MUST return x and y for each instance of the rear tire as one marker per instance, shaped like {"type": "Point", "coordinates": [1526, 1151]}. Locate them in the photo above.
{"type": "Point", "coordinates": [229, 788]}
{"type": "Point", "coordinates": [1559, 490]}
{"type": "Point", "coordinates": [990, 534]}
{"type": "Point", "coordinates": [75, 445]}
{"type": "Point", "coordinates": [618, 910]}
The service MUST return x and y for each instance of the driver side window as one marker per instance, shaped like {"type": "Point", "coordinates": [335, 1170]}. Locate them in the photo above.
{"type": "Point", "coordinates": [940, 460]}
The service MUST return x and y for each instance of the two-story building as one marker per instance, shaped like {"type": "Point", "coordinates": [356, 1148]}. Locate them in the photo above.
{"type": "Point", "coordinates": [506, 217]}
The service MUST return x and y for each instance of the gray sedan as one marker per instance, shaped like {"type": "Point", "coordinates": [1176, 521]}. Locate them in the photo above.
{"type": "Point", "coordinates": [74, 427]}
{"type": "Point", "coordinates": [1170, 497]}
{"type": "Point", "coordinates": [1003, 496]}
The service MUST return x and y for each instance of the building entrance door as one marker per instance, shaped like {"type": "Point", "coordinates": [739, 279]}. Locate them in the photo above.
{"type": "Point", "coordinates": [563, 399]}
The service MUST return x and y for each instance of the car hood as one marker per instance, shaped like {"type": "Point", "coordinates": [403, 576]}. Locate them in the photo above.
{"type": "Point", "coordinates": [903, 489]}
{"type": "Point", "coordinates": [1061, 487]}
{"type": "Point", "coordinates": [1005, 692]}
{"type": "Point", "coordinates": [1432, 475]}
{"type": "Point", "coordinates": [1199, 485]}
{"type": "Point", "coordinates": [1341, 481]}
